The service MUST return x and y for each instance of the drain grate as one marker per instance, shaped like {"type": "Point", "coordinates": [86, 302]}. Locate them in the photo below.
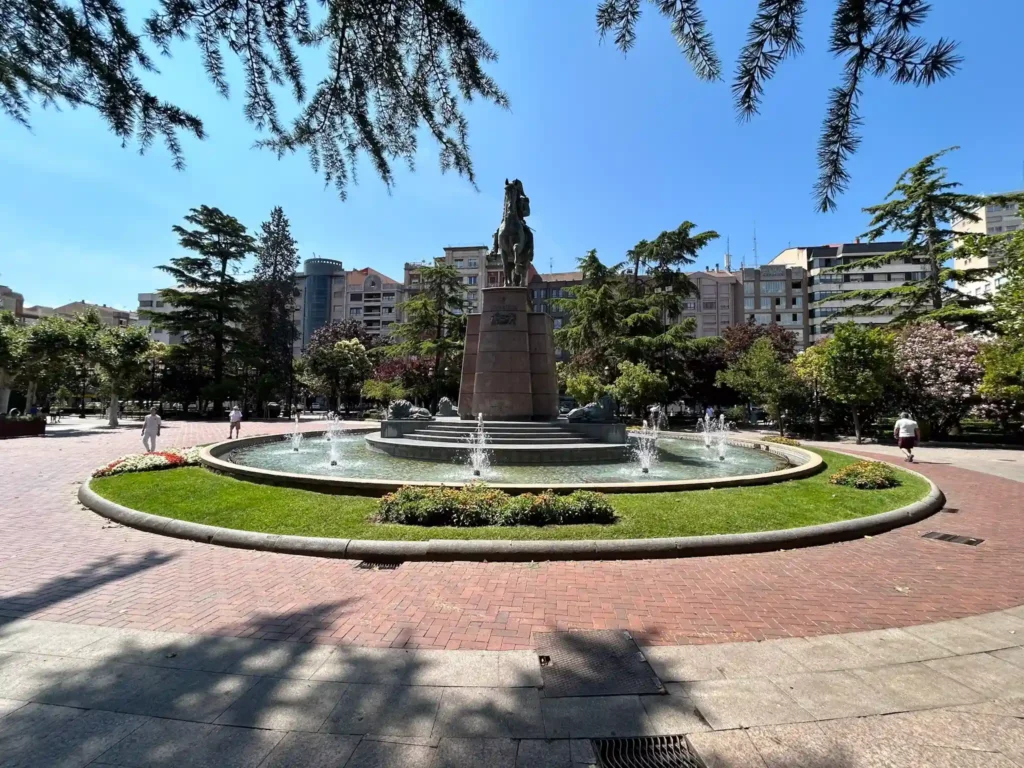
{"type": "Point", "coordinates": [953, 538]}
{"type": "Point", "coordinates": [593, 663]}
{"type": "Point", "coordinates": [381, 565]}
{"type": "Point", "coordinates": [645, 752]}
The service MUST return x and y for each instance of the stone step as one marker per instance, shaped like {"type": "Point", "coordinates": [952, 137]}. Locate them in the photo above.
{"type": "Point", "coordinates": [497, 431]}
{"type": "Point", "coordinates": [524, 426]}
{"type": "Point", "coordinates": [503, 440]}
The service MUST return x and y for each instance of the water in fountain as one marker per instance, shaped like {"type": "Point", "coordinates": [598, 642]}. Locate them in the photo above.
{"type": "Point", "coordinates": [646, 449]}
{"type": "Point", "coordinates": [296, 435]}
{"type": "Point", "coordinates": [704, 425]}
{"type": "Point", "coordinates": [334, 433]}
{"type": "Point", "coordinates": [479, 458]}
{"type": "Point", "coordinates": [716, 433]}
{"type": "Point", "coordinates": [722, 433]}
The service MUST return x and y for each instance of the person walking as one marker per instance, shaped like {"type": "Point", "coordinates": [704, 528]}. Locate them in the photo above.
{"type": "Point", "coordinates": [235, 418]}
{"type": "Point", "coordinates": [150, 430]}
{"type": "Point", "coordinates": [907, 433]}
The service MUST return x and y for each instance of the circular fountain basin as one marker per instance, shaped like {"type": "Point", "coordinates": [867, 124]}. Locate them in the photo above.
{"type": "Point", "coordinates": [683, 463]}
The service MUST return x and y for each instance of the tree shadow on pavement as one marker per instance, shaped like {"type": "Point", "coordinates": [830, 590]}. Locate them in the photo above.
{"type": "Point", "coordinates": [85, 579]}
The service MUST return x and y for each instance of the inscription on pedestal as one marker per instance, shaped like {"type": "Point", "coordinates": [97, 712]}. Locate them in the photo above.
{"type": "Point", "coordinates": [503, 318]}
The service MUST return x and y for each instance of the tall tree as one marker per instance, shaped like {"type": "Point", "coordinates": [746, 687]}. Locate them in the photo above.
{"type": "Point", "coordinates": [122, 361]}
{"type": "Point", "coordinates": [85, 348]}
{"type": "Point", "coordinates": [392, 68]}
{"type": "Point", "coordinates": [12, 355]}
{"type": "Point", "coordinates": [338, 371]}
{"type": "Point", "coordinates": [593, 316]}
{"type": "Point", "coordinates": [434, 327]}
{"type": "Point", "coordinates": [740, 338]}
{"type": "Point", "coordinates": [809, 365]}
{"type": "Point", "coordinates": [270, 306]}
{"type": "Point", "coordinates": [856, 369]}
{"type": "Point", "coordinates": [208, 299]}
{"type": "Point", "coordinates": [1009, 299]}
{"type": "Point", "coordinates": [47, 356]}
{"type": "Point", "coordinates": [924, 207]}
{"type": "Point", "coordinates": [1002, 385]}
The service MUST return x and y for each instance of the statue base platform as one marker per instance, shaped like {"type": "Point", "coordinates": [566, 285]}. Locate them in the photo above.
{"type": "Point", "coordinates": [508, 368]}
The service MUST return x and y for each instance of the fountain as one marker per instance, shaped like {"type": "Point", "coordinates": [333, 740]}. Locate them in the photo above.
{"type": "Point", "coordinates": [509, 429]}
{"type": "Point", "coordinates": [646, 449]}
{"type": "Point", "coordinates": [715, 432]}
{"type": "Point", "coordinates": [478, 458]}
{"type": "Point", "coordinates": [333, 435]}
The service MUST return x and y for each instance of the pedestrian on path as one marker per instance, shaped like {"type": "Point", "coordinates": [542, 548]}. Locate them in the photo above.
{"type": "Point", "coordinates": [907, 433]}
{"type": "Point", "coordinates": [235, 418]}
{"type": "Point", "coordinates": [150, 430]}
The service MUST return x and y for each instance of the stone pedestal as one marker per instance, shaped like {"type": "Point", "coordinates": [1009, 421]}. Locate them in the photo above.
{"type": "Point", "coordinates": [508, 369]}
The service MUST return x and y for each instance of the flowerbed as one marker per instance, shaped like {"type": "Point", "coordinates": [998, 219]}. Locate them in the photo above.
{"type": "Point", "coordinates": [779, 440]}
{"type": "Point", "coordinates": [477, 505]}
{"type": "Point", "coordinates": [144, 462]}
{"type": "Point", "coordinates": [866, 475]}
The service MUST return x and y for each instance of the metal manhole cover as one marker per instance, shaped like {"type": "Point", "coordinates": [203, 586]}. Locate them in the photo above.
{"type": "Point", "coordinates": [953, 538]}
{"type": "Point", "coordinates": [593, 663]}
{"type": "Point", "coordinates": [646, 752]}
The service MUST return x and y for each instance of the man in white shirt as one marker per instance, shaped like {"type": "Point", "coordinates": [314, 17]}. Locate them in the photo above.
{"type": "Point", "coordinates": [150, 430]}
{"type": "Point", "coordinates": [906, 433]}
{"type": "Point", "coordinates": [235, 427]}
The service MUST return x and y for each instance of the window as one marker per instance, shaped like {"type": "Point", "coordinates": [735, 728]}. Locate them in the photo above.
{"type": "Point", "coordinates": [709, 306]}
{"type": "Point", "coordinates": [355, 297]}
{"type": "Point", "coordinates": [388, 311]}
{"type": "Point", "coordinates": [798, 301]}
{"type": "Point", "coordinates": [766, 302]}
{"type": "Point", "coordinates": [159, 304]}
{"type": "Point", "coordinates": [471, 279]}
{"type": "Point", "coordinates": [690, 305]}
{"type": "Point", "coordinates": [472, 264]}
{"type": "Point", "coordinates": [993, 230]}
{"type": "Point", "coordinates": [830, 277]}
{"type": "Point", "coordinates": [147, 303]}
{"type": "Point", "coordinates": [556, 293]}
{"type": "Point", "coordinates": [459, 263]}
{"type": "Point", "coordinates": [558, 323]}
{"type": "Point", "coordinates": [778, 318]}
{"type": "Point", "coordinates": [773, 286]}
{"type": "Point", "coordinates": [1013, 228]}
{"type": "Point", "coordinates": [762, 319]}
{"type": "Point", "coordinates": [779, 301]}
{"type": "Point", "coordinates": [414, 279]}
{"type": "Point", "coordinates": [389, 297]}
{"type": "Point", "coordinates": [355, 311]}
{"type": "Point", "coordinates": [748, 303]}
{"type": "Point", "coordinates": [748, 289]}
{"type": "Point", "coordinates": [471, 295]}
{"type": "Point", "coordinates": [795, 320]}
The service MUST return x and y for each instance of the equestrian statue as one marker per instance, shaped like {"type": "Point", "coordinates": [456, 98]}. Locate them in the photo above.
{"type": "Point", "coordinates": [514, 239]}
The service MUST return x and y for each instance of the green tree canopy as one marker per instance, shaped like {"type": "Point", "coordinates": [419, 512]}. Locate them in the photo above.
{"type": "Point", "coordinates": [208, 299]}
{"type": "Point", "coordinates": [270, 306]}
{"type": "Point", "coordinates": [389, 72]}
{"type": "Point", "coordinates": [1002, 384]}
{"type": "Point", "coordinates": [855, 368]}
{"type": "Point", "coordinates": [123, 362]}
{"type": "Point", "coordinates": [434, 326]}
{"type": "Point", "coordinates": [763, 376]}
{"type": "Point", "coordinates": [923, 208]}
{"type": "Point", "coordinates": [638, 387]}
{"type": "Point", "coordinates": [584, 388]}
{"type": "Point", "coordinates": [339, 371]}
{"type": "Point", "coordinates": [12, 356]}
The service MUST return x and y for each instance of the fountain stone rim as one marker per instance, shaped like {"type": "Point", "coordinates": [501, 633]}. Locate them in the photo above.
{"type": "Point", "coordinates": [803, 463]}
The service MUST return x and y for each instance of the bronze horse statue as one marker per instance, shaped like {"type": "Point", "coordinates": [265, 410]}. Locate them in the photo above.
{"type": "Point", "coordinates": [514, 239]}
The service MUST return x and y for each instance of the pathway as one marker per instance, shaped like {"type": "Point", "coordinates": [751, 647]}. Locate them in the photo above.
{"type": "Point", "coordinates": [949, 694]}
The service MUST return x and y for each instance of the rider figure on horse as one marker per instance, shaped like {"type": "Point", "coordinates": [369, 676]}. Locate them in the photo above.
{"type": "Point", "coordinates": [513, 238]}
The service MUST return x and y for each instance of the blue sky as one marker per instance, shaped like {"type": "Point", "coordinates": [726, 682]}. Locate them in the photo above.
{"type": "Point", "coordinates": [611, 150]}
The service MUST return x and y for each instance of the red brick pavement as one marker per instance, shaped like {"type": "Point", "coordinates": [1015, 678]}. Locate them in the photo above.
{"type": "Point", "coordinates": [60, 562]}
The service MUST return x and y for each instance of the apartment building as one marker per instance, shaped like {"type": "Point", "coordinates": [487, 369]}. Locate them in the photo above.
{"type": "Point", "coordinates": [475, 266]}
{"type": "Point", "coordinates": [11, 301]}
{"type": "Point", "coordinates": [152, 302]}
{"type": "Point", "coordinates": [992, 220]}
{"type": "Point", "coordinates": [326, 293]}
{"type": "Point", "coordinates": [826, 289]}
{"type": "Point", "coordinates": [716, 304]}
{"type": "Point", "coordinates": [778, 294]}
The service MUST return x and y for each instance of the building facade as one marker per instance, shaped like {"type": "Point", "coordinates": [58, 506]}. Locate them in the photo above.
{"type": "Point", "coordinates": [152, 302]}
{"type": "Point", "coordinates": [992, 220]}
{"type": "Point", "coordinates": [778, 294]}
{"type": "Point", "coordinates": [827, 289]}
{"type": "Point", "coordinates": [11, 301]}
{"type": "Point", "coordinates": [476, 268]}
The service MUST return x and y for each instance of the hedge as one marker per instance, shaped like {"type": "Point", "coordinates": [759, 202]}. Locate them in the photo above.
{"type": "Point", "coordinates": [866, 475]}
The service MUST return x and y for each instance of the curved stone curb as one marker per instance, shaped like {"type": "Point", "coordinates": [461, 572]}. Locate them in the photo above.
{"type": "Point", "coordinates": [803, 463]}
{"type": "Point", "coordinates": [446, 550]}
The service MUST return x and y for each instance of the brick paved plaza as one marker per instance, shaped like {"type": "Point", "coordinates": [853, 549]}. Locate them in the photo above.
{"type": "Point", "coordinates": [124, 648]}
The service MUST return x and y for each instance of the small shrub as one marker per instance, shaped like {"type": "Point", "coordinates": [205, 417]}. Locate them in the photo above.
{"type": "Point", "coordinates": [144, 462]}
{"type": "Point", "coordinates": [736, 414]}
{"type": "Point", "coordinates": [781, 440]}
{"type": "Point", "coordinates": [476, 505]}
{"type": "Point", "coordinates": [866, 475]}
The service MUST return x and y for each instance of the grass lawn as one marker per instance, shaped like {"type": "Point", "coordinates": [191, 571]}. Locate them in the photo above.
{"type": "Point", "coordinates": [200, 496]}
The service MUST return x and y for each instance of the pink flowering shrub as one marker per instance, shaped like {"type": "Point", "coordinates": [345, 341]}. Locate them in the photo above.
{"type": "Point", "coordinates": [144, 462]}
{"type": "Point", "coordinates": [939, 372]}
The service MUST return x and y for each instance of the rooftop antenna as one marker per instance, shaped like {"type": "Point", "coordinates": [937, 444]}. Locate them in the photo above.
{"type": "Point", "coordinates": [728, 256]}
{"type": "Point", "coordinates": [756, 264]}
